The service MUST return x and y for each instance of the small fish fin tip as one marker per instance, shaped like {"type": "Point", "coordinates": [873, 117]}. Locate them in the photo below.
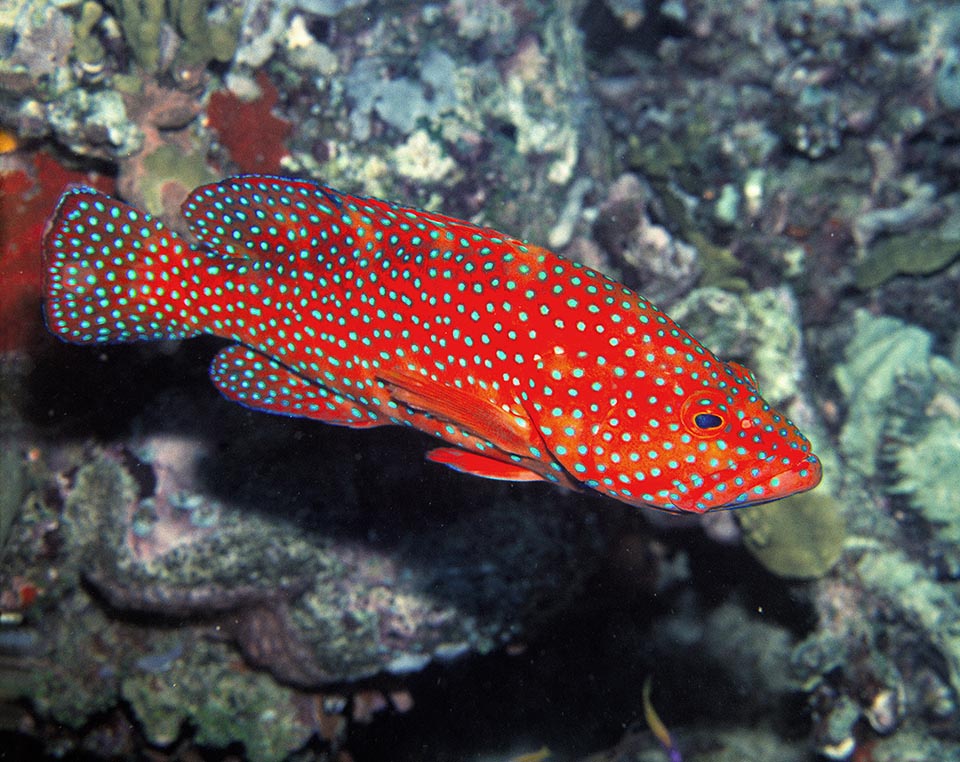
{"type": "Point", "coordinates": [101, 259]}
{"type": "Point", "coordinates": [480, 465]}
{"type": "Point", "coordinates": [657, 725]}
{"type": "Point", "coordinates": [255, 381]}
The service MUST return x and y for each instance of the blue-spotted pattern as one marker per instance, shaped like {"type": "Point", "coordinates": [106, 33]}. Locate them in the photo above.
{"type": "Point", "coordinates": [362, 313]}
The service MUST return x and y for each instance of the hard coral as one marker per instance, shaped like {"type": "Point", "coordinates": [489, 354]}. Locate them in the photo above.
{"type": "Point", "coordinates": [172, 160]}
{"type": "Point", "coordinates": [29, 190]}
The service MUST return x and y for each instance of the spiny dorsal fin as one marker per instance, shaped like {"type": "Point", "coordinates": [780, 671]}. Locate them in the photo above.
{"type": "Point", "coordinates": [267, 218]}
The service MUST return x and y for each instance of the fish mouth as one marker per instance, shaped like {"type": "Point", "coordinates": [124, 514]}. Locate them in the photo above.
{"type": "Point", "coordinates": [719, 493]}
{"type": "Point", "coordinates": [803, 476]}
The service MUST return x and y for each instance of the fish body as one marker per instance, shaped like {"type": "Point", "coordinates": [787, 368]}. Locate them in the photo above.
{"type": "Point", "coordinates": [364, 313]}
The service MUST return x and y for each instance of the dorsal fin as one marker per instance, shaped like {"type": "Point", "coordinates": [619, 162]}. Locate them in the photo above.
{"type": "Point", "coordinates": [262, 217]}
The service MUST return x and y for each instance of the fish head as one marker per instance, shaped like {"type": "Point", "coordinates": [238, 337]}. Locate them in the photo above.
{"type": "Point", "coordinates": [681, 441]}
{"type": "Point", "coordinates": [733, 449]}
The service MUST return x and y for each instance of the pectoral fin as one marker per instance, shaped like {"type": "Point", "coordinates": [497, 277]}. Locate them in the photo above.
{"type": "Point", "coordinates": [512, 433]}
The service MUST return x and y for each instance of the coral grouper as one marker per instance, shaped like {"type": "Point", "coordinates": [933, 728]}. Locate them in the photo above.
{"type": "Point", "coordinates": [363, 313]}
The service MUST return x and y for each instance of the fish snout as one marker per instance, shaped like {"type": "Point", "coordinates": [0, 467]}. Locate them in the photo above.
{"type": "Point", "coordinates": [802, 476]}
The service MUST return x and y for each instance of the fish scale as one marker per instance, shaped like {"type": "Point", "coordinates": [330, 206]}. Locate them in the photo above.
{"type": "Point", "coordinates": [363, 313]}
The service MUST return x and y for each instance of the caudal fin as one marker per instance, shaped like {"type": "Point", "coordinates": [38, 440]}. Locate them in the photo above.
{"type": "Point", "coordinates": [114, 274]}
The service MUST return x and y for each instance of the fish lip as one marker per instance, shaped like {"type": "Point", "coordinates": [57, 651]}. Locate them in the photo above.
{"type": "Point", "coordinates": [803, 474]}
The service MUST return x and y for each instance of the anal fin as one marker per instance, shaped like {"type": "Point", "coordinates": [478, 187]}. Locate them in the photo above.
{"type": "Point", "coordinates": [256, 381]}
{"type": "Point", "coordinates": [480, 465]}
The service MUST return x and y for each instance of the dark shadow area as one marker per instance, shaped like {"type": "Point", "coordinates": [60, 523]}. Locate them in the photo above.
{"type": "Point", "coordinates": [604, 32]}
{"type": "Point", "coordinates": [577, 686]}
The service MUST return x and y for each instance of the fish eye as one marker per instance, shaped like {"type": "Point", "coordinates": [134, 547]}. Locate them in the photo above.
{"type": "Point", "coordinates": [704, 413]}
{"type": "Point", "coordinates": [707, 420]}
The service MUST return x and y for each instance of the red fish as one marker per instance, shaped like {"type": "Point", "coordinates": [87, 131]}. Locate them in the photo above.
{"type": "Point", "coordinates": [363, 313]}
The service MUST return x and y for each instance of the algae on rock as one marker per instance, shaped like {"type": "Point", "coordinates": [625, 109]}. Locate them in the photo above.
{"type": "Point", "coordinates": [920, 252]}
{"type": "Point", "coordinates": [224, 705]}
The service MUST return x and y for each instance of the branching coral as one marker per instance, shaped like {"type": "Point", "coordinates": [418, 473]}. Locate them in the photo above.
{"type": "Point", "coordinates": [204, 40]}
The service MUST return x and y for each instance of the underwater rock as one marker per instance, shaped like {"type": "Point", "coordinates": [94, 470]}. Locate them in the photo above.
{"type": "Point", "coordinates": [663, 267]}
{"type": "Point", "coordinates": [40, 40]}
{"type": "Point", "coordinates": [311, 607]}
{"type": "Point", "coordinates": [94, 123]}
{"type": "Point", "coordinates": [197, 686]}
{"type": "Point", "coordinates": [402, 103]}
{"type": "Point", "coordinates": [760, 329]}
{"type": "Point", "coordinates": [214, 582]}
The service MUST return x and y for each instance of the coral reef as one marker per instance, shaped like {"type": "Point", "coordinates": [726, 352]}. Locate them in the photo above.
{"type": "Point", "coordinates": [660, 267]}
{"type": "Point", "coordinates": [779, 175]}
{"type": "Point", "coordinates": [859, 666]}
{"type": "Point", "coordinates": [760, 329]}
{"type": "Point", "coordinates": [155, 541]}
{"type": "Point", "coordinates": [928, 469]}
{"type": "Point", "coordinates": [881, 350]}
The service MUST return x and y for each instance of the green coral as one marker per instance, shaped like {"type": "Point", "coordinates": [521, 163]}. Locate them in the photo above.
{"type": "Point", "coordinates": [799, 537]}
{"type": "Point", "coordinates": [920, 252]}
{"type": "Point", "coordinates": [171, 164]}
{"type": "Point", "coordinates": [87, 48]}
{"type": "Point", "coordinates": [203, 41]}
{"type": "Point", "coordinates": [882, 350]}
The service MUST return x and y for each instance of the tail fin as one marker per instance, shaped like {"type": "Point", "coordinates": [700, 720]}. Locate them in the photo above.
{"type": "Point", "coordinates": [114, 274]}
